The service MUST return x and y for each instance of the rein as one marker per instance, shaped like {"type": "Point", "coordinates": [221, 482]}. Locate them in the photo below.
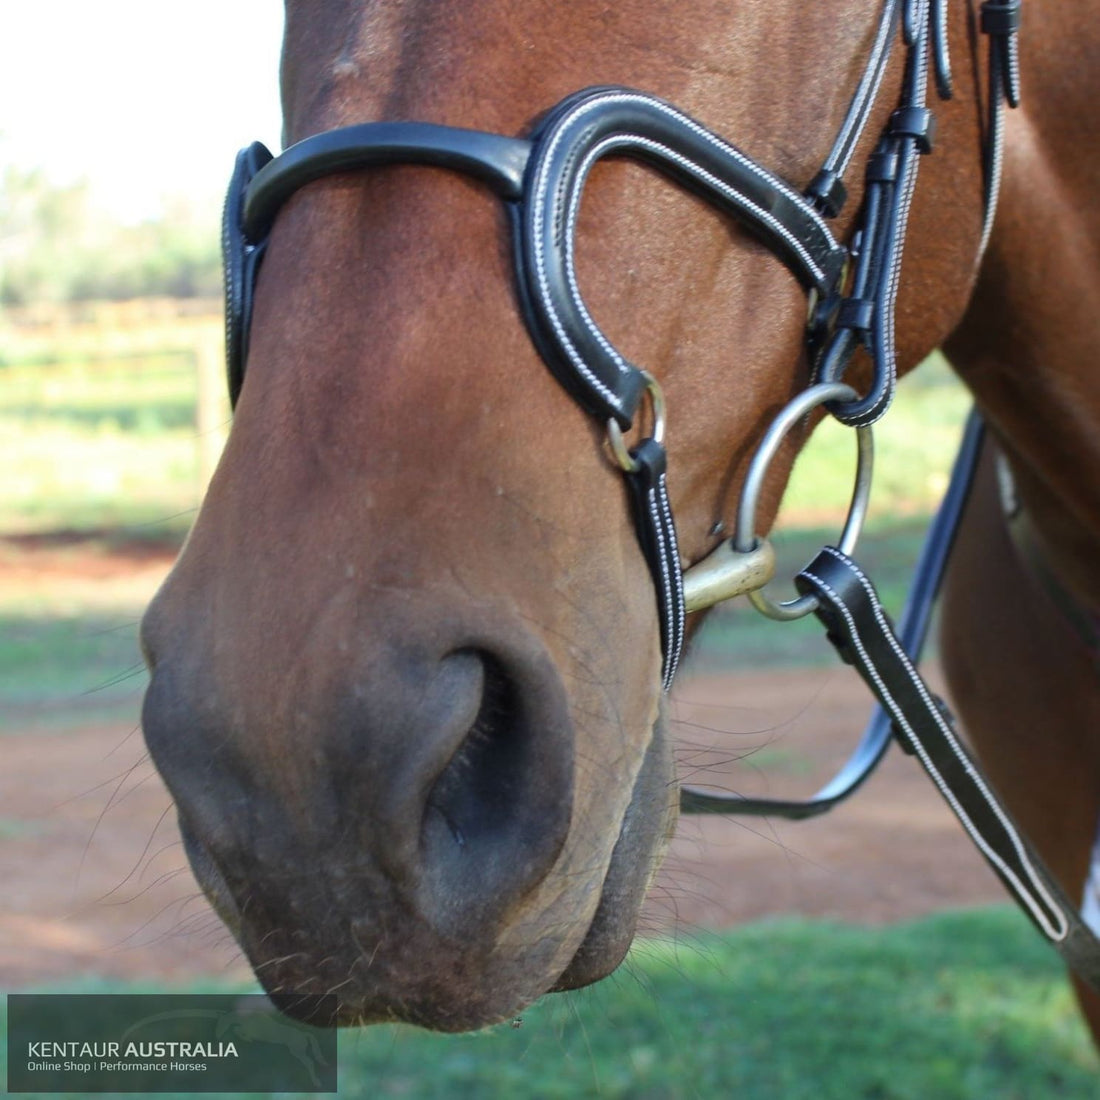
{"type": "Point", "coordinates": [852, 290]}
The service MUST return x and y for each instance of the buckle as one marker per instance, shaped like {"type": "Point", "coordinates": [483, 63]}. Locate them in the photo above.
{"type": "Point", "coordinates": [629, 462]}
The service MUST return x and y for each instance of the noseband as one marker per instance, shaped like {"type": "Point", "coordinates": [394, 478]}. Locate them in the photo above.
{"type": "Point", "coordinates": [852, 289]}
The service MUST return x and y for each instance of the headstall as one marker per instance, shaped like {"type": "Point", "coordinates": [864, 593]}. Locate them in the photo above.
{"type": "Point", "coordinates": [853, 290]}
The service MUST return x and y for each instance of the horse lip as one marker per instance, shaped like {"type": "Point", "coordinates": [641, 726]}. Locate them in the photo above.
{"type": "Point", "coordinates": [642, 840]}
{"type": "Point", "coordinates": [210, 879]}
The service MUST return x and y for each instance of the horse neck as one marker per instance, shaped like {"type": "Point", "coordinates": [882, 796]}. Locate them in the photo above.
{"type": "Point", "coordinates": [1027, 347]}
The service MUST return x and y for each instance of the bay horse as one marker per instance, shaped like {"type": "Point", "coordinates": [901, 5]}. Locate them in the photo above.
{"type": "Point", "coordinates": [407, 672]}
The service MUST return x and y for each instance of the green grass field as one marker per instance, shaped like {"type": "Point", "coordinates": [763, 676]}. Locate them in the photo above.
{"type": "Point", "coordinates": [111, 446]}
{"type": "Point", "coordinates": [106, 447]}
{"type": "Point", "coordinates": [66, 662]}
{"type": "Point", "coordinates": [960, 1006]}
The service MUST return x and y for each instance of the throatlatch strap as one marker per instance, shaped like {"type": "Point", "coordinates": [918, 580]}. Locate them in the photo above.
{"type": "Point", "coordinates": [860, 630]}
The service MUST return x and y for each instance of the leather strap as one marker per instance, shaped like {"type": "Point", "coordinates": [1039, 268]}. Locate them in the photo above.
{"type": "Point", "coordinates": [1084, 622]}
{"type": "Point", "coordinates": [613, 121]}
{"type": "Point", "coordinates": [890, 180]}
{"type": "Point", "coordinates": [1000, 20]}
{"type": "Point", "coordinates": [827, 189]}
{"type": "Point", "coordinates": [542, 180]}
{"type": "Point", "coordinates": [860, 630]}
{"type": "Point", "coordinates": [496, 160]}
{"type": "Point", "coordinates": [657, 538]}
{"type": "Point", "coordinates": [240, 262]}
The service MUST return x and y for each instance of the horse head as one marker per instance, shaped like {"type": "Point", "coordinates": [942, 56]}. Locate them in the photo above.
{"type": "Point", "coordinates": [406, 675]}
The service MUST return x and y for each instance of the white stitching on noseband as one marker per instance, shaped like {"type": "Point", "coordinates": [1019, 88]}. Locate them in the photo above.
{"type": "Point", "coordinates": [1090, 903]}
{"type": "Point", "coordinates": [542, 214]}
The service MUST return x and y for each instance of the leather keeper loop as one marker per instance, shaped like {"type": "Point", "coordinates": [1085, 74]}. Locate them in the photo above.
{"type": "Point", "coordinates": [882, 168]}
{"type": "Point", "coordinates": [827, 192]}
{"type": "Point", "coordinates": [856, 314]}
{"type": "Point", "coordinates": [650, 462]}
{"type": "Point", "coordinates": [1000, 17]}
{"type": "Point", "coordinates": [915, 122]}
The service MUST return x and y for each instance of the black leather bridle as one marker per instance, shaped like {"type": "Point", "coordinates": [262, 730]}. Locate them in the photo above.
{"type": "Point", "coordinates": [853, 289]}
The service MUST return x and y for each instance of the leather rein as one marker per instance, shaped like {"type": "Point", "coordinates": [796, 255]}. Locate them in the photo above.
{"type": "Point", "coordinates": [852, 290]}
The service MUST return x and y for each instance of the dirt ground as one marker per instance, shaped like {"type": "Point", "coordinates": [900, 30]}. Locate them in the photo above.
{"type": "Point", "coordinates": [93, 880]}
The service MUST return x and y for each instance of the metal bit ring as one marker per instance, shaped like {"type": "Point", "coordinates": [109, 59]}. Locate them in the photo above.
{"type": "Point", "coordinates": [615, 434]}
{"type": "Point", "coordinates": [745, 538]}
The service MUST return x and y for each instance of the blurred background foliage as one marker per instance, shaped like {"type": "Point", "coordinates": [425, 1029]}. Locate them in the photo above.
{"type": "Point", "coordinates": [56, 245]}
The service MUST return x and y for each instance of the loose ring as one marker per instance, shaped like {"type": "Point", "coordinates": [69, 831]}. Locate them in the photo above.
{"type": "Point", "coordinates": [745, 538]}
{"type": "Point", "coordinates": [615, 434]}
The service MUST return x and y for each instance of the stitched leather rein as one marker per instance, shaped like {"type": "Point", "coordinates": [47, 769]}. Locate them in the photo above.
{"type": "Point", "coordinates": [852, 290]}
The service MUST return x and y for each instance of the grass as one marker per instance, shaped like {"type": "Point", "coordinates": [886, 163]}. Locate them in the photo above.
{"type": "Point", "coordinates": [101, 449]}
{"type": "Point", "coordinates": [105, 445]}
{"type": "Point", "coordinates": [112, 443]}
{"type": "Point", "coordinates": [66, 670]}
{"type": "Point", "coordinates": [959, 1006]}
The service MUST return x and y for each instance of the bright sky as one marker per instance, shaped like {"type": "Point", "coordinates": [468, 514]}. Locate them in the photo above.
{"type": "Point", "coordinates": [144, 98]}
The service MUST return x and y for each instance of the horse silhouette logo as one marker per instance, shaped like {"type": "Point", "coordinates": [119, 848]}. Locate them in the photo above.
{"type": "Point", "coordinates": [248, 1024]}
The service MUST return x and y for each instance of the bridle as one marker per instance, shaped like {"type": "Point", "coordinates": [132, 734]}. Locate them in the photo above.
{"type": "Point", "coordinates": [852, 290]}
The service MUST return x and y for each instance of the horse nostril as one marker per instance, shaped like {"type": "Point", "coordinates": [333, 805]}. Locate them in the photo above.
{"type": "Point", "coordinates": [475, 793]}
{"type": "Point", "coordinates": [497, 815]}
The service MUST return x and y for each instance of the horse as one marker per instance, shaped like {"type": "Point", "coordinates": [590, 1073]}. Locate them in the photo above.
{"type": "Point", "coordinates": [407, 674]}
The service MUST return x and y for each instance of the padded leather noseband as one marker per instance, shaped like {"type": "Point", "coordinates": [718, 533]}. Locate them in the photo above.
{"type": "Point", "coordinates": [545, 176]}
{"type": "Point", "coordinates": [602, 122]}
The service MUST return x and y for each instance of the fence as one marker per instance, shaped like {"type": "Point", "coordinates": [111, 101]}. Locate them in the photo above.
{"type": "Point", "coordinates": [94, 335]}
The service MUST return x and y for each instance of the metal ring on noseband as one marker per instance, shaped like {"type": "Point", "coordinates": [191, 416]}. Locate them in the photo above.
{"type": "Point", "coordinates": [615, 434]}
{"type": "Point", "coordinates": [745, 539]}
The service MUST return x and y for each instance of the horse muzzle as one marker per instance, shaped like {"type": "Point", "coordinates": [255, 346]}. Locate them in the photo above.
{"type": "Point", "coordinates": [407, 835]}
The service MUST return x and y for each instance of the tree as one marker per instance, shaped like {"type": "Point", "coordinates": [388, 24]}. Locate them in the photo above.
{"type": "Point", "coordinates": [55, 246]}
